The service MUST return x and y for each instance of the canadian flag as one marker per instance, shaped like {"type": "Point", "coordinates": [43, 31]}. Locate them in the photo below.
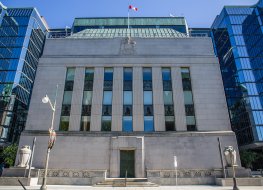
{"type": "Point", "coordinates": [133, 8]}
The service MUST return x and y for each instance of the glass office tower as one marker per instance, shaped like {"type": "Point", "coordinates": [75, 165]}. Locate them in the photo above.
{"type": "Point", "coordinates": [238, 39]}
{"type": "Point", "coordinates": [22, 35]}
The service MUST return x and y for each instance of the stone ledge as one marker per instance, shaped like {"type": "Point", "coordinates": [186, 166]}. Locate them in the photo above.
{"type": "Point", "coordinates": [255, 181]}
{"type": "Point", "coordinates": [145, 134]}
{"type": "Point", "coordinates": [13, 181]}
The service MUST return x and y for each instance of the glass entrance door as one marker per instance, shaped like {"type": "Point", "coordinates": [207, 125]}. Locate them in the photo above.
{"type": "Point", "coordinates": [127, 162]}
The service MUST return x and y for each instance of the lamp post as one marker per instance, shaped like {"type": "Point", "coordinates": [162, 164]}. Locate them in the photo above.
{"type": "Point", "coordinates": [230, 155]}
{"type": "Point", "coordinates": [52, 136]}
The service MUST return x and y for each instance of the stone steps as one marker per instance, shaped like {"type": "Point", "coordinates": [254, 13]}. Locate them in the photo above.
{"type": "Point", "coordinates": [130, 182]}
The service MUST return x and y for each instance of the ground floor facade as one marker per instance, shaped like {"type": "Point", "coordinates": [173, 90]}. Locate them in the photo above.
{"type": "Point", "coordinates": [97, 156]}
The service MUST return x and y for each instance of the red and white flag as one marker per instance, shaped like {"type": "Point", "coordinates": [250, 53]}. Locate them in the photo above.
{"type": "Point", "coordinates": [133, 8]}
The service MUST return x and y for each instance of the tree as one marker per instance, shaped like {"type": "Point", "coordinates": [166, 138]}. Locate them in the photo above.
{"type": "Point", "coordinates": [248, 158]}
{"type": "Point", "coordinates": [9, 154]}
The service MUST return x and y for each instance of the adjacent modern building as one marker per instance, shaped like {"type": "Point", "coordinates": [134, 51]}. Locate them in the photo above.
{"type": "Point", "coordinates": [130, 100]}
{"type": "Point", "coordinates": [22, 35]}
{"type": "Point", "coordinates": [238, 39]}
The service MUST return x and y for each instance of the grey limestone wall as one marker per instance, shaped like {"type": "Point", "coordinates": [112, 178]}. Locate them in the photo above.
{"type": "Point", "coordinates": [210, 105]}
{"type": "Point", "coordinates": [95, 151]}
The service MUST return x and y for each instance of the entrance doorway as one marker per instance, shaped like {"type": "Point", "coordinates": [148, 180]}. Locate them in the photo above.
{"type": "Point", "coordinates": [127, 163]}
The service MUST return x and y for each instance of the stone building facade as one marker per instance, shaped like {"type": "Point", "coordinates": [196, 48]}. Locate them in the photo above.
{"type": "Point", "coordinates": [130, 104]}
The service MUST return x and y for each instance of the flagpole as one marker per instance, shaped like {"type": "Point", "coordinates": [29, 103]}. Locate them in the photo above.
{"type": "Point", "coordinates": [128, 22]}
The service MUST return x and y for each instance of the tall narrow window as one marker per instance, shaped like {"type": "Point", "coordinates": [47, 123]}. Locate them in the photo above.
{"type": "Point", "coordinates": [168, 100]}
{"type": "Point", "coordinates": [188, 100]}
{"type": "Point", "coordinates": [66, 104]}
{"type": "Point", "coordinates": [87, 100]}
{"type": "Point", "coordinates": [127, 100]}
{"type": "Point", "coordinates": [148, 99]}
{"type": "Point", "coordinates": [107, 100]}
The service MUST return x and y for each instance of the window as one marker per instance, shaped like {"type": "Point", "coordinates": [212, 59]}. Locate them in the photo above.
{"type": "Point", "coordinates": [67, 98]}
{"type": "Point", "coordinates": [64, 123]}
{"type": "Point", "coordinates": [148, 123]}
{"type": "Point", "coordinates": [168, 97]}
{"type": "Point", "coordinates": [107, 98]}
{"type": "Point", "coordinates": [188, 100]}
{"type": "Point", "coordinates": [147, 98]}
{"type": "Point", "coordinates": [87, 100]}
{"type": "Point", "coordinates": [106, 123]}
{"type": "Point", "coordinates": [169, 123]}
{"type": "Point", "coordinates": [168, 100]}
{"type": "Point", "coordinates": [85, 123]}
{"type": "Point", "coordinates": [127, 124]}
{"type": "Point", "coordinates": [127, 97]}
{"type": "Point", "coordinates": [127, 100]}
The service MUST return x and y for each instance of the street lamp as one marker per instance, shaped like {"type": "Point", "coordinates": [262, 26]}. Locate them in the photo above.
{"type": "Point", "coordinates": [52, 136]}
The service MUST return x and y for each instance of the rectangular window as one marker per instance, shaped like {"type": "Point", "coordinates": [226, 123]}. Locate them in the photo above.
{"type": "Point", "coordinates": [127, 97]}
{"type": "Point", "coordinates": [107, 100]}
{"type": "Point", "coordinates": [148, 100]}
{"type": "Point", "coordinates": [85, 123]}
{"type": "Point", "coordinates": [188, 100]}
{"type": "Point", "coordinates": [169, 123]}
{"type": "Point", "coordinates": [148, 123]}
{"type": "Point", "coordinates": [127, 100]}
{"type": "Point", "coordinates": [148, 97]}
{"type": "Point", "coordinates": [67, 98]}
{"type": "Point", "coordinates": [106, 123]}
{"type": "Point", "coordinates": [64, 123]}
{"type": "Point", "coordinates": [87, 99]}
{"type": "Point", "coordinates": [147, 79]}
{"type": "Point", "coordinates": [127, 124]}
{"type": "Point", "coordinates": [168, 100]}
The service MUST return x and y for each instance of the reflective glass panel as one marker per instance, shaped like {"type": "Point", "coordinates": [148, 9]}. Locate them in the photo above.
{"type": "Point", "coordinates": [188, 97]}
{"type": "Point", "coordinates": [148, 123]}
{"type": "Point", "coordinates": [107, 98]}
{"type": "Point", "coordinates": [147, 74]}
{"type": "Point", "coordinates": [70, 74]}
{"type": "Point", "coordinates": [148, 110]}
{"type": "Point", "coordinates": [67, 97]}
{"type": "Point", "coordinates": [106, 123]}
{"type": "Point", "coordinates": [127, 96]}
{"type": "Point", "coordinates": [166, 73]}
{"type": "Point", "coordinates": [147, 98]}
{"type": "Point", "coordinates": [89, 74]}
{"type": "Point", "coordinates": [127, 124]}
{"type": "Point", "coordinates": [108, 74]}
{"type": "Point", "coordinates": [106, 110]}
{"type": "Point", "coordinates": [190, 120]}
{"type": "Point", "coordinates": [85, 123]}
{"type": "Point", "coordinates": [128, 74]}
{"type": "Point", "coordinates": [87, 98]}
{"type": "Point", "coordinates": [64, 123]}
{"type": "Point", "coordinates": [127, 110]}
{"type": "Point", "coordinates": [168, 97]}
{"type": "Point", "coordinates": [169, 123]}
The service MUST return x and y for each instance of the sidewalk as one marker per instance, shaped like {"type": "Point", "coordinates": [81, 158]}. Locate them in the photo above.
{"type": "Point", "coordinates": [192, 187]}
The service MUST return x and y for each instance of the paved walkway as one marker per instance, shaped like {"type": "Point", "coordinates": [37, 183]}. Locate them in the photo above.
{"type": "Point", "coordinates": [192, 187]}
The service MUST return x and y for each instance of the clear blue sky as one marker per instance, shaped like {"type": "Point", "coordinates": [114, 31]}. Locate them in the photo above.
{"type": "Point", "coordinates": [61, 13]}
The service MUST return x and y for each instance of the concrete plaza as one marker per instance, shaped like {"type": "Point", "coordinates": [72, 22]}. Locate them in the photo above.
{"type": "Point", "coordinates": [192, 187]}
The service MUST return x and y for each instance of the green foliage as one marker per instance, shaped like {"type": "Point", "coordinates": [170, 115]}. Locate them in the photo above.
{"type": "Point", "coordinates": [9, 154]}
{"type": "Point", "coordinates": [248, 157]}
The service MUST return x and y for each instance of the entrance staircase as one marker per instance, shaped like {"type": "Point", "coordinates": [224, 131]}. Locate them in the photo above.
{"type": "Point", "coordinates": [126, 182]}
